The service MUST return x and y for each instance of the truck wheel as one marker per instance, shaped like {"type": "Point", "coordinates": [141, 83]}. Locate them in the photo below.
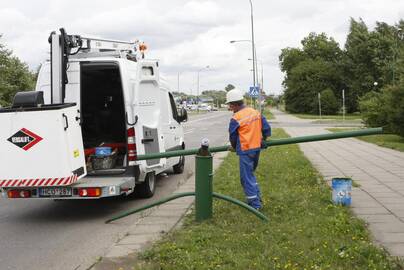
{"type": "Point", "coordinates": [179, 168]}
{"type": "Point", "coordinates": [148, 187]}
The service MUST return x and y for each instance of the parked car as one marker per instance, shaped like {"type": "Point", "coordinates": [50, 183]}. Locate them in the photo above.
{"type": "Point", "coordinates": [205, 107]}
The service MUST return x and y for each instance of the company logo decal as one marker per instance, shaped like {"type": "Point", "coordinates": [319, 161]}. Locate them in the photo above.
{"type": "Point", "coordinates": [24, 139]}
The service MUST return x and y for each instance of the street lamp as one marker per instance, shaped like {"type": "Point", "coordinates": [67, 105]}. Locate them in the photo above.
{"type": "Point", "coordinates": [197, 89]}
{"type": "Point", "coordinates": [254, 54]}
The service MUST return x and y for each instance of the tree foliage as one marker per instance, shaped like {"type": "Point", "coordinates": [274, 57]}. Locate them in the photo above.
{"type": "Point", "coordinates": [367, 57]}
{"type": "Point", "coordinates": [309, 71]}
{"type": "Point", "coordinates": [219, 96]}
{"type": "Point", "coordinates": [14, 76]}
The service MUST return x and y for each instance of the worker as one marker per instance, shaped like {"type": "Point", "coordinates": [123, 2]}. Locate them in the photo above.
{"type": "Point", "coordinates": [247, 131]}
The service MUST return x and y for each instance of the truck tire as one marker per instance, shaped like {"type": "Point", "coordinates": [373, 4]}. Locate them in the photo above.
{"type": "Point", "coordinates": [179, 167]}
{"type": "Point", "coordinates": [148, 187]}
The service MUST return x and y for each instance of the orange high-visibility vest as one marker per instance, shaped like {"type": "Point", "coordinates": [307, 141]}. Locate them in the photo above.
{"type": "Point", "coordinates": [250, 126]}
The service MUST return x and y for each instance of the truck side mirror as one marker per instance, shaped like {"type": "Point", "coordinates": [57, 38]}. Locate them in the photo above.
{"type": "Point", "coordinates": [182, 115]}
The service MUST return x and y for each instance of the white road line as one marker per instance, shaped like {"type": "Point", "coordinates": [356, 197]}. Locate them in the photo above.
{"type": "Point", "coordinates": [189, 131]}
{"type": "Point", "coordinates": [202, 119]}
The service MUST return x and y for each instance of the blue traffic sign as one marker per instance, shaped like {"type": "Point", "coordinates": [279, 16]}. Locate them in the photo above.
{"type": "Point", "coordinates": [254, 91]}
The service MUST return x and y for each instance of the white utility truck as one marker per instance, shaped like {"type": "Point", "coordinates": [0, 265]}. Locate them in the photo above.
{"type": "Point", "coordinates": [97, 105]}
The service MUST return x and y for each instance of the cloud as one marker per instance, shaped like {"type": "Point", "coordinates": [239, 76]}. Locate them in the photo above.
{"type": "Point", "coordinates": [187, 35]}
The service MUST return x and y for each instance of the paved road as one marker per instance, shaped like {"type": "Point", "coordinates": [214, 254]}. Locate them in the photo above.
{"type": "Point", "coordinates": [44, 234]}
{"type": "Point", "coordinates": [379, 199]}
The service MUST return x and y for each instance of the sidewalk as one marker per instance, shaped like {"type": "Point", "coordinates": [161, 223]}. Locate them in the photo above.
{"type": "Point", "coordinates": [379, 199]}
{"type": "Point", "coordinates": [151, 226]}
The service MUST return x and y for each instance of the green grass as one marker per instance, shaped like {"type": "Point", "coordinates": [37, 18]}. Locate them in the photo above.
{"type": "Point", "coordinates": [306, 230]}
{"type": "Point", "coordinates": [195, 112]}
{"type": "Point", "coordinates": [327, 117]}
{"type": "Point", "coordinates": [268, 114]}
{"type": "Point", "coordinates": [386, 140]}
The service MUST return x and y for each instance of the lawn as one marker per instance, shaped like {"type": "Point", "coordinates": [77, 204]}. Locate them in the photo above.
{"type": "Point", "coordinates": [386, 140]}
{"type": "Point", "coordinates": [328, 117]}
{"type": "Point", "coordinates": [306, 230]}
{"type": "Point", "coordinates": [268, 114]}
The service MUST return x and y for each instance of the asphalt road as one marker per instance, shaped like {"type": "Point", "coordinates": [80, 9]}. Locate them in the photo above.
{"type": "Point", "coordinates": [46, 234]}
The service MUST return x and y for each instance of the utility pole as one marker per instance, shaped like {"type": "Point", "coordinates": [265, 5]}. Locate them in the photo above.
{"type": "Point", "coordinates": [319, 104]}
{"type": "Point", "coordinates": [343, 105]}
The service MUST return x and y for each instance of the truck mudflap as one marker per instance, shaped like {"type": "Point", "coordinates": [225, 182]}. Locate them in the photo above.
{"type": "Point", "coordinates": [41, 146]}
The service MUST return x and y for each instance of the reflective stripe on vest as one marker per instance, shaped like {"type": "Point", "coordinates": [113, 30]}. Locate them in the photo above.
{"type": "Point", "coordinates": [250, 127]}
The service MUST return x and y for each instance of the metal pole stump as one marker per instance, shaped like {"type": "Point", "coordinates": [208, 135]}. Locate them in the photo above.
{"type": "Point", "coordinates": [203, 183]}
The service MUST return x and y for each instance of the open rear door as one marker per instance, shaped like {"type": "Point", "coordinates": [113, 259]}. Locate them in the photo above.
{"type": "Point", "coordinates": [41, 146]}
{"type": "Point", "coordinates": [148, 102]}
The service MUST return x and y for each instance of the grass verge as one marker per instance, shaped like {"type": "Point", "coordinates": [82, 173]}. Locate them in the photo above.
{"type": "Point", "coordinates": [386, 140]}
{"type": "Point", "coordinates": [333, 117]}
{"type": "Point", "coordinates": [305, 231]}
{"type": "Point", "coordinates": [268, 114]}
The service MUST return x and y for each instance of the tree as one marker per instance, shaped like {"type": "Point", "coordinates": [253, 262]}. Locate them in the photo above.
{"type": "Point", "coordinates": [14, 76]}
{"type": "Point", "coordinates": [309, 70]}
{"type": "Point", "coordinates": [305, 81]}
{"type": "Point", "coordinates": [229, 87]}
{"type": "Point", "coordinates": [359, 69]}
{"type": "Point", "coordinates": [219, 96]}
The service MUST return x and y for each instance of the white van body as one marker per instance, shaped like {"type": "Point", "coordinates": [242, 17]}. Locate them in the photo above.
{"type": "Point", "coordinates": [110, 100]}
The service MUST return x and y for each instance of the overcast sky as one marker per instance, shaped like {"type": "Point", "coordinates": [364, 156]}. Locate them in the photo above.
{"type": "Point", "coordinates": [187, 35]}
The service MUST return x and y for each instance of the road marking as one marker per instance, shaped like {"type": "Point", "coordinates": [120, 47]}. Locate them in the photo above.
{"type": "Point", "coordinates": [202, 119]}
{"type": "Point", "coordinates": [189, 131]}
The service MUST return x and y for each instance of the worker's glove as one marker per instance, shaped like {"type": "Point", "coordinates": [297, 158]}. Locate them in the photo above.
{"type": "Point", "coordinates": [231, 149]}
{"type": "Point", "coordinates": [264, 145]}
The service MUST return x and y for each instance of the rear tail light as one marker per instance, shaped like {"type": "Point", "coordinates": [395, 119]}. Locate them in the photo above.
{"type": "Point", "coordinates": [132, 151]}
{"type": "Point", "coordinates": [15, 193]}
{"type": "Point", "coordinates": [90, 192]}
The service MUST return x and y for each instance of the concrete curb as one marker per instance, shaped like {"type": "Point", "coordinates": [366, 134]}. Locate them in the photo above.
{"type": "Point", "coordinates": [152, 226]}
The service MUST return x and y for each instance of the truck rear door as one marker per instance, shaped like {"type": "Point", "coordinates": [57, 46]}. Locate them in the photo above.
{"type": "Point", "coordinates": [41, 146]}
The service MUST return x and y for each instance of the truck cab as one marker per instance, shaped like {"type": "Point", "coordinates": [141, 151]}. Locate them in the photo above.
{"type": "Point", "coordinates": [98, 95]}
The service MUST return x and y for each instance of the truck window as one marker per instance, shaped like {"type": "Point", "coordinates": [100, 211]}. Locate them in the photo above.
{"type": "Point", "coordinates": [173, 107]}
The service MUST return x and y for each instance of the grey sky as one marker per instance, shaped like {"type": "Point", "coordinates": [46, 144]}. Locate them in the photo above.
{"type": "Point", "coordinates": [187, 35]}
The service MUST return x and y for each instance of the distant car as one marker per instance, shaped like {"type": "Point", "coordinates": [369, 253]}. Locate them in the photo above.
{"type": "Point", "coordinates": [192, 107]}
{"type": "Point", "coordinates": [205, 107]}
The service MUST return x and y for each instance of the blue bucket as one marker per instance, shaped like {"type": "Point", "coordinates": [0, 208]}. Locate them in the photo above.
{"type": "Point", "coordinates": [341, 190]}
{"type": "Point", "coordinates": [103, 151]}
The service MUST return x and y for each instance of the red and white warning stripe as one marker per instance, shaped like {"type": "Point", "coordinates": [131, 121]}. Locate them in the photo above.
{"type": "Point", "coordinates": [39, 182]}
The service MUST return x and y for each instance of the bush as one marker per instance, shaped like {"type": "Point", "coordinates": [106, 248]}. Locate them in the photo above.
{"type": "Point", "coordinates": [395, 108]}
{"type": "Point", "coordinates": [329, 103]}
{"type": "Point", "coordinates": [371, 106]}
{"type": "Point", "coordinates": [385, 108]}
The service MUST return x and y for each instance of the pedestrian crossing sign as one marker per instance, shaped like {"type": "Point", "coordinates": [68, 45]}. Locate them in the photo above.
{"type": "Point", "coordinates": [254, 91]}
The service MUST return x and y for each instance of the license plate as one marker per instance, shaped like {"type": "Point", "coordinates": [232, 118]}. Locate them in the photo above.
{"type": "Point", "coordinates": [55, 192]}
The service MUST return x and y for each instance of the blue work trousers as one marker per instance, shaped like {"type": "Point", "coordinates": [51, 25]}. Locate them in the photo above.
{"type": "Point", "coordinates": [248, 164]}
